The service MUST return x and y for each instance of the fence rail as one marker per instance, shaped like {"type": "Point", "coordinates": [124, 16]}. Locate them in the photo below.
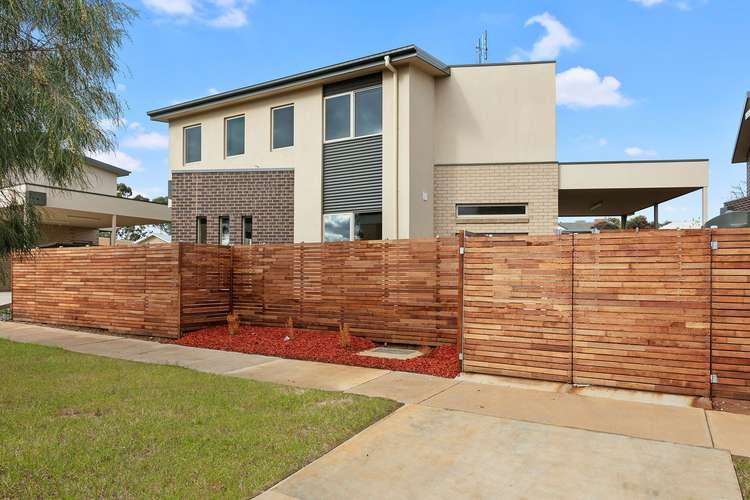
{"type": "Point", "coordinates": [650, 310]}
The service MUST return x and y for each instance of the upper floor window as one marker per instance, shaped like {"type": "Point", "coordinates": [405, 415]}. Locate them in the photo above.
{"type": "Point", "coordinates": [192, 139]}
{"type": "Point", "coordinates": [354, 114]}
{"type": "Point", "coordinates": [234, 132]}
{"type": "Point", "coordinates": [282, 126]}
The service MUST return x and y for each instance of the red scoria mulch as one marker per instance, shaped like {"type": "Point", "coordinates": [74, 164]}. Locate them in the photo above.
{"type": "Point", "coordinates": [313, 345]}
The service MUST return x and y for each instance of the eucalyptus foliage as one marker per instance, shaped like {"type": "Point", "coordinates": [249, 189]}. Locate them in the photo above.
{"type": "Point", "coordinates": [58, 62]}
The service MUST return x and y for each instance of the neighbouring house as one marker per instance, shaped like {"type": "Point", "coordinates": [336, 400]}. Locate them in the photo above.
{"type": "Point", "coordinates": [155, 238]}
{"type": "Point", "coordinates": [73, 215]}
{"type": "Point", "coordinates": [393, 145]}
{"type": "Point", "coordinates": [741, 155]}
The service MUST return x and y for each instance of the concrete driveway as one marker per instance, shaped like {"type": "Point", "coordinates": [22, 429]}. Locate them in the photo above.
{"type": "Point", "coordinates": [423, 452]}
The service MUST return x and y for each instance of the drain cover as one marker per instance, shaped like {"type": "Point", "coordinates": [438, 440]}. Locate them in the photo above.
{"type": "Point", "coordinates": [391, 352]}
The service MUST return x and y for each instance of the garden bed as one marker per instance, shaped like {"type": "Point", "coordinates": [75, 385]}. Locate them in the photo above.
{"type": "Point", "coordinates": [314, 345]}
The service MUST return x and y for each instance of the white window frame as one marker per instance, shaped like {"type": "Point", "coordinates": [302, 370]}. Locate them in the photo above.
{"type": "Point", "coordinates": [272, 129]}
{"type": "Point", "coordinates": [351, 115]}
{"type": "Point", "coordinates": [184, 143]}
{"type": "Point", "coordinates": [351, 225]}
{"type": "Point", "coordinates": [498, 216]}
{"type": "Point", "coordinates": [226, 137]}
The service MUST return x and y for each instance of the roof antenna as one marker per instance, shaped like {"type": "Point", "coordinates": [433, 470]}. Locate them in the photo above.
{"type": "Point", "coordinates": [481, 48]}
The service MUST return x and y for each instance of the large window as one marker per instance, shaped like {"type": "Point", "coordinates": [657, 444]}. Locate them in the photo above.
{"type": "Point", "coordinates": [234, 131]}
{"type": "Point", "coordinates": [352, 226]}
{"type": "Point", "coordinates": [192, 140]}
{"type": "Point", "coordinates": [224, 230]}
{"type": "Point", "coordinates": [282, 124]}
{"type": "Point", "coordinates": [200, 230]}
{"type": "Point", "coordinates": [247, 230]}
{"type": "Point", "coordinates": [354, 114]}
{"type": "Point", "coordinates": [488, 210]}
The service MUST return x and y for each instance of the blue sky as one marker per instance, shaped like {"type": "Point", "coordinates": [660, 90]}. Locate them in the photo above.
{"type": "Point", "coordinates": [637, 79]}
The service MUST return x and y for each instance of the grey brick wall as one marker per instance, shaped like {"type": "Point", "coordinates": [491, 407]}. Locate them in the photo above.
{"type": "Point", "coordinates": [266, 195]}
{"type": "Point", "coordinates": [534, 184]}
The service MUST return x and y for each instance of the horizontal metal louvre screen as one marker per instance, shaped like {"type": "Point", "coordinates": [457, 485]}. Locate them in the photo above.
{"type": "Point", "coordinates": [353, 175]}
{"type": "Point", "coordinates": [353, 84]}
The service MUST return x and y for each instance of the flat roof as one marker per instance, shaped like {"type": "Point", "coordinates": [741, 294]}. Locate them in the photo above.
{"type": "Point", "coordinates": [742, 146]}
{"type": "Point", "coordinates": [350, 66]}
{"type": "Point", "coordinates": [119, 172]}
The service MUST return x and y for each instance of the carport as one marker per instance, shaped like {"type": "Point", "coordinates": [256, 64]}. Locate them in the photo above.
{"type": "Point", "coordinates": [622, 188]}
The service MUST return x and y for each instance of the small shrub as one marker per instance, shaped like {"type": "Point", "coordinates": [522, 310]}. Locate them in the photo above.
{"type": "Point", "coordinates": [345, 339]}
{"type": "Point", "coordinates": [233, 322]}
{"type": "Point", "coordinates": [290, 327]}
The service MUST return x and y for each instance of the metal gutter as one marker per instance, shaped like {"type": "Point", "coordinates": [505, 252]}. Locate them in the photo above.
{"type": "Point", "coordinates": [305, 78]}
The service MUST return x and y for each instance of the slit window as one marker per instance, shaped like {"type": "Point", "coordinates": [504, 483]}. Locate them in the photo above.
{"type": "Point", "coordinates": [247, 230]}
{"type": "Point", "coordinates": [224, 230]}
{"type": "Point", "coordinates": [487, 210]}
{"type": "Point", "coordinates": [200, 230]}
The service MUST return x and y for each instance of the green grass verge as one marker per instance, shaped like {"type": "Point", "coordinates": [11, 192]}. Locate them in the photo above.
{"type": "Point", "coordinates": [742, 466]}
{"type": "Point", "coordinates": [75, 425]}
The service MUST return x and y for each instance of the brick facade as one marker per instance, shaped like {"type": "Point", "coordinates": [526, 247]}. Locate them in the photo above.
{"type": "Point", "coordinates": [266, 195]}
{"type": "Point", "coordinates": [534, 184]}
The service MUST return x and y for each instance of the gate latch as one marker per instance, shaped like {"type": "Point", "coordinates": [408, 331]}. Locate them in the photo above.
{"type": "Point", "coordinates": [714, 378]}
{"type": "Point", "coordinates": [714, 245]}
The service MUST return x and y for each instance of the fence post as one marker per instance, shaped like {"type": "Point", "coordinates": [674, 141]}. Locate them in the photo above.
{"type": "Point", "coordinates": [179, 290]}
{"type": "Point", "coordinates": [460, 339]}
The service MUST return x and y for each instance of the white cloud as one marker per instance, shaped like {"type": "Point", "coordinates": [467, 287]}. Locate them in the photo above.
{"type": "Point", "coordinates": [232, 17]}
{"type": "Point", "coordinates": [119, 159]}
{"type": "Point", "coordinates": [583, 88]}
{"type": "Point", "coordinates": [557, 37]}
{"type": "Point", "coordinates": [603, 141]}
{"type": "Point", "coordinates": [135, 126]}
{"type": "Point", "coordinates": [635, 151]}
{"type": "Point", "coordinates": [121, 87]}
{"type": "Point", "coordinates": [171, 7]}
{"type": "Point", "coordinates": [648, 3]}
{"type": "Point", "coordinates": [147, 140]}
{"type": "Point", "coordinates": [216, 13]}
{"type": "Point", "coordinates": [212, 91]}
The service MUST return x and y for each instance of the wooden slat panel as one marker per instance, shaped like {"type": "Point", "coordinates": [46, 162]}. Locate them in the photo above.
{"type": "Point", "coordinates": [642, 310]}
{"type": "Point", "coordinates": [517, 306]}
{"type": "Point", "coordinates": [730, 314]}
{"type": "Point", "coordinates": [131, 290]}
{"type": "Point", "coordinates": [400, 291]}
{"type": "Point", "coordinates": [206, 282]}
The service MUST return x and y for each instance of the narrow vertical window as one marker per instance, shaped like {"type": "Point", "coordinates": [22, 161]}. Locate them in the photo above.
{"type": "Point", "coordinates": [192, 140]}
{"type": "Point", "coordinates": [283, 127]}
{"type": "Point", "coordinates": [224, 230]}
{"type": "Point", "coordinates": [234, 132]}
{"type": "Point", "coordinates": [200, 229]}
{"type": "Point", "coordinates": [247, 230]}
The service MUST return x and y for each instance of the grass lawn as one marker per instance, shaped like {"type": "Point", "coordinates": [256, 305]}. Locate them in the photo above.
{"type": "Point", "coordinates": [742, 466]}
{"type": "Point", "coordinates": [74, 425]}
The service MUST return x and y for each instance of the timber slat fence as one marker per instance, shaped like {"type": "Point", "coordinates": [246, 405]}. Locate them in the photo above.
{"type": "Point", "coordinates": [649, 310]}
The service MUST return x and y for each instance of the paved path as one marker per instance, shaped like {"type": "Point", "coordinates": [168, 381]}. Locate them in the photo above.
{"type": "Point", "coordinates": [459, 438]}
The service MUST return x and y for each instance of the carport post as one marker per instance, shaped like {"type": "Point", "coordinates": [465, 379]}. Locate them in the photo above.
{"type": "Point", "coordinates": [113, 236]}
{"type": "Point", "coordinates": [656, 216]}
{"type": "Point", "coordinates": [704, 205]}
{"type": "Point", "coordinates": [623, 221]}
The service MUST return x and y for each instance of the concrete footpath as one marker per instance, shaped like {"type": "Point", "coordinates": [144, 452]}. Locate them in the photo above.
{"type": "Point", "coordinates": [480, 437]}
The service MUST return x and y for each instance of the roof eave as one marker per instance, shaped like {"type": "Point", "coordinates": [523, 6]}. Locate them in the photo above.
{"type": "Point", "coordinates": [741, 152]}
{"type": "Point", "coordinates": [305, 78]}
{"type": "Point", "coordinates": [119, 172]}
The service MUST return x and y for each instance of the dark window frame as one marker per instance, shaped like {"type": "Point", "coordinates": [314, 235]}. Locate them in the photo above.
{"type": "Point", "coordinates": [185, 129]}
{"type": "Point", "coordinates": [226, 135]}
{"type": "Point", "coordinates": [485, 209]}
{"type": "Point", "coordinates": [352, 114]}
{"type": "Point", "coordinates": [273, 129]}
{"type": "Point", "coordinates": [245, 218]}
